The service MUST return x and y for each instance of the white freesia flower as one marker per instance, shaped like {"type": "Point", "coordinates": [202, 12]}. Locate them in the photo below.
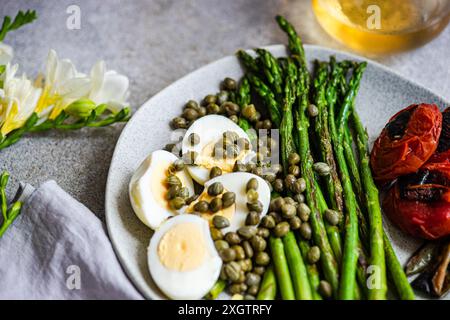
{"type": "Point", "coordinates": [108, 87]}
{"type": "Point", "coordinates": [63, 85]}
{"type": "Point", "coordinates": [18, 100]}
{"type": "Point", "coordinates": [6, 53]}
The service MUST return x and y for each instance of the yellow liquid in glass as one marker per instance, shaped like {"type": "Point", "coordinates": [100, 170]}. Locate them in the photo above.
{"type": "Point", "coordinates": [382, 26]}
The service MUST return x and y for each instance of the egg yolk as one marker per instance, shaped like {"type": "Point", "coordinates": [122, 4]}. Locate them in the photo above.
{"type": "Point", "coordinates": [183, 247]}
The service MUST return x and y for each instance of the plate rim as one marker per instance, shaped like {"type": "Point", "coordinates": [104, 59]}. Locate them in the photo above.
{"type": "Point", "coordinates": [273, 47]}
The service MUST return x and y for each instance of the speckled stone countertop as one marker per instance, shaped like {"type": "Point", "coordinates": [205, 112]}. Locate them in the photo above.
{"type": "Point", "coordinates": [154, 43]}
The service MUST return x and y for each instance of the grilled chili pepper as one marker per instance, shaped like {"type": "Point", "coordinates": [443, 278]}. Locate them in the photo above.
{"type": "Point", "coordinates": [409, 139]}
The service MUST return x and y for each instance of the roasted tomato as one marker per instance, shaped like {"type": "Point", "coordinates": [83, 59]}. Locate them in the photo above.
{"type": "Point", "coordinates": [409, 139]}
{"type": "Point", "coordinates": [419, 202]}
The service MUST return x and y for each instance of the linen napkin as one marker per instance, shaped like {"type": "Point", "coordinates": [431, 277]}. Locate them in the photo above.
{"type": "Point", "coordinates": [58, 249]}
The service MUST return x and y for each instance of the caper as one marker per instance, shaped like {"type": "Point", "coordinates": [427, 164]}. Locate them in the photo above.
{"type": "Point", "coordinates": [190, 157]}
{"type": "Point", "coordinates": [281, 229]}
{"type": "Point", "coordinates": [215, 172]}
{"type": "Point", "coordinates": [325, 289]}
{"type": "Point", "coordinates": [301, 185]}
{"type": "Point", "coordinates": [288, 211]}
{"type": "Point", "coordinates": [215, 189]}
{"type": "Point", "coordinates": [262, 258]}
{"type": "Point", "coordinates": [177, 165]}
{"type": "Point", "coordinates": [313, 254]}
{"type": "Point", "coordinates": [210, 98]}
{"type": "Point", "coordinates": [259, 125]}
{"type": "Point", "coordinates": [246, 264]}
{"type": "Point", "coordinates": [172, 192]}
{"type": "Point", "coordinates": [230, 137]}
{"type": "Point", "coordinates": [247, 232]}
{"type": "Point", "coordinates": [268, 222]}
{"type": "Point", "coordinates": [299, 198]}
{"type": "Point", "coordinates": [267, 124]}
{"type": "Point", "coordinates": [228, 199]}
{"type": "Point", "coordinates": [252, 291]}
{"type": "Point", "coordinates": [230, 108]}
{"type": "Point", "coordinates": [247, 249]}
{"type": "Point", "coordinates": [332, 216]}
{"type": "Point", "coordinates": [240, 253]}
{"type": "Point", "coordinates": [322, 168]}
{"type": "Point", "coordinates": [183, 193]}
{"type": "Point", "coordinates": [249, 297]}
{"type": "Point", "coordinates": [223, 275]}
{"type": "Point", "coordinates": [289, 181]}
{"type": "Point", "coordinates": [305, 231]}
{"type": "Point", "coordinates": [192, 104]}
{"type": "Point", "coordinates": [252, 279]}
{"type": "Point", "coordinates": [263, 232]}
{"type": "Point", "coordinates": [229, 84]}
{"type": "Point", "coordinates": [252, 184]}
{"type": "Point", "coordinates": [276, 216]}
{"type": "Point", "coordinates": [295, 223]}
{"type": "Point", "coordinates": [221, 244]}
{"type": "Point", "coordinates": [234, 289]}
{"type": "Point", "coordinates": [170, 147]}
{"type": "Point", "coordinates": [173, 180]}
{"type": "Point", "coordinates": [179, 123]}
{"type": "Point", "coordinates": [201, 206]}
{"type": "Point", "coordinates": [257, 171]}
{"type": "Point", "coordinates": [252, 218]}
{"type": "Point", "coordinates": [194, 139]}
{"type": "Point", "coordinates": [313, 111]}
{"type": "Point", "coordinates": [216, 234]}
{"type": "Point", "coordinates": [297, 187]}
{"type": "Point", "coordinates": [202, 112]}
{"type": "Point", "coordinates": [177, 203]}
{"type": "Point", "coordinates": [243, 143]}
{"type": "Point", "coordinates": [215, 204]}
{"type": "Point", "coordinates": [249, 112]}
{"type": "Point", "coordinates": [252, 195]}
{"type": "Point", "coordinates": [232, 270]}
{"type": "Point", "coordinates": [212, 108]}
{"type": "Point", "coordinates": [191, 199]}
{"type": "Point", "coordinates": [222, 97]}
{"type": "Point", "coordinates": [220, 222]}
{"type": "Point", "coordinates": [303, 211]}
{"type": "Point", "coordinates": [232, 238]}
{"type": "Point", "coordinates": [276, 168]}
{"type": "Point", "coordinates": [190, 114]}
{"type": "Point", "coordinates": [228, 254]}
{"type": "Point", "coordinates": [294, 170]}
{"type": "Point", "coordinates": [255, 206]}
{"type": "Point", "coordinates": [257, 117]}
{"type": "Point", "coordinates": [278, 204]}
{"type": "Point", "coordinates": [243, 285]}
{"type": "Point", "coordinates": [259, 270]}
{"type": "Point", "coordinates": [289, 200]}
{"type": "Point", "coordinates": [293, 158]}
{"type": "Point", "coordinates": [258, 243]}
{"type": "Point", "coordinates": [270, 177]}
{"type": "Point", "coordinates": [234, 118]}
{"type": "Point", "coordinates": [239, 167]}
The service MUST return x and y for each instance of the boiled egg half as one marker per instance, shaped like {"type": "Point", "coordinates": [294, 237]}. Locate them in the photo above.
{"type": "Point", "coordinates": [148, 189]}
{"type": "Point", "coordinates": [210, 130]}
{"type": "Point", "coordinates": [182, 258]}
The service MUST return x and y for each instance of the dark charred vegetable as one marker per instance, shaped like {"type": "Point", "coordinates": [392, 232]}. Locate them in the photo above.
{"type": "Point", "coordinates": [407, 142]}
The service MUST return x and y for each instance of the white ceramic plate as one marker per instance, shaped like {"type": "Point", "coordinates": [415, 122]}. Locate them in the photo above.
{"type": "Point", "coordinates": [382, 94]}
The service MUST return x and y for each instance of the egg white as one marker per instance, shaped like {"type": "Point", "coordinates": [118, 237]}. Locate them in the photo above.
{"type": "Point", "coordinates": [210, 129]}
{"type": "Point", "coordinates": [187, 285]}
{"type": "Point", "coordinates": [143, 197]}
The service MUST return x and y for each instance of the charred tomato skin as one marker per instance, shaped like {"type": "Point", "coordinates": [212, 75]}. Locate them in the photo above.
{"type": "Point", "coordinates": [409, 139]}
{"type": "Point", "coordinates": [428, 220]}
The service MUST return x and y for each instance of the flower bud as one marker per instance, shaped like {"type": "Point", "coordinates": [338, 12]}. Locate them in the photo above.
{"type": "Point", "coordinates": [81, 108]}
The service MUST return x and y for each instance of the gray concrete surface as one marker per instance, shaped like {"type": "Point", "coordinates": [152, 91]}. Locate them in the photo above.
{"type": "Point", "coordinates": [154, 43]}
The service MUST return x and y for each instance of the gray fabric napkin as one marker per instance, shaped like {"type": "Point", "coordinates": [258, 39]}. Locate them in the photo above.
{"type": "Point", "coordinates": [58, 249]}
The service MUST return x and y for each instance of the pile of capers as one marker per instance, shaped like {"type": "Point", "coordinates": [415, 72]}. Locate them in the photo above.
{"type": "Point", "coordinates": [221, 199]}
{"type": "Point", "coordinates": [230, 146]}
{"type": "Point", "coordinates": [243, 252]}
{"type": "Point", "coordinates": [177, 195]}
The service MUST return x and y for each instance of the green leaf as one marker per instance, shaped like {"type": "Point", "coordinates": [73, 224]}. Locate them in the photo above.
{"type": "Point", "coordinates": [21, 19]}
